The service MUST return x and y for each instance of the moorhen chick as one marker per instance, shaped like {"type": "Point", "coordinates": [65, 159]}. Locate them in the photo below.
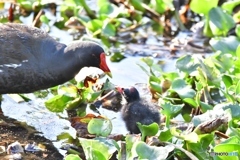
{"type": "Point", "coordinates": [31, 60]}
{"type": "Point", "coordinates": [137, 109]}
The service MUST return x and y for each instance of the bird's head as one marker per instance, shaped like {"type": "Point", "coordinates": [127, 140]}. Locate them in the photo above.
{"type": "Point", "coordinates": [130, 94]}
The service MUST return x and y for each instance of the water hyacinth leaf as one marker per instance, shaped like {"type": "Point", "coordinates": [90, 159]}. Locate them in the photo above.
{"type": "Point", "coordinates": [170, 109]}
{"type": "Point", "coordinates": [95, 149]}
{"type": "Point", "coordinates": [149, 61]}
{"type": "Point", "coordinates": [159, 5]}
{"type": "Point", "coordinates": [235, 109]}
{"type": "Point", "coordinates": [237, 30]}
{"type": "Point", "coordinates": [190, 101]}
{"type": "Point", "coordinates": [182, 89]}
{"type": "Point", "coordinates": [220, 21]}
{"type": "Point", "coordinates": [111, 143]}
{"type": "Point", "coordinates": [131, 140]}
{"type": "Point", "coordinates": [145, 151]}
{"type": "Point", "coordinates": [230, 5]}
{"type": "Point", "coordinates": [109, 29]}
{"type": "Point", "coordinates": [205, 107]}
{"type": "Point", "coordinates": [68, 89]}
{"type": "Point", "coordinates": [148, 130]}
{"type": "Point", "coordinates": [154, 83]}
{"type": "Point", "coordinates": [200, 149]}
{"type": "Point", "coordinates": [117, 57]}
{"type": "Point", "coordinates": [109, 9]}
{"type": "Point", "coordinates": [165, 134]}
{"type": "Point", "coordinates": [26, 5]}
{"type": "Point", "coordinates": [72, 157]}
{"type": "Point", "coordinates": [94, 25]}
{"type": "Point", "coordinates": [100, 126]}
{"type": "Point", "coordinates": [186, 64]}
{"type": "Point", "coordinates": [227, 150]}
{"type": "Point", "coordinates": [74, 103]}
{"type": "Point", "coordinates": [138, 5]}
{"type": "Point", "coordinates": [44, 19]}
{"type": "Point", "coordinates": [237, 91]}
{"type": "Point", "coordinates": [203, 6]}
{"type": "Point", "coordinates": [225, 45]}
{"type": "Point", "coordinates": [238, 51]}
{"type": "Point", "coordinates": [232, 130]}
{"type": "Point", "coordinates": [58, 103]}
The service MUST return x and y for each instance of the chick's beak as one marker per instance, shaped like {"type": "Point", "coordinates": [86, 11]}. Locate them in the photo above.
{"type": "Point", "coordinates": [103, 65]}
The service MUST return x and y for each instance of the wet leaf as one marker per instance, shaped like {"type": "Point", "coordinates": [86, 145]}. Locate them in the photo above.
{"type": "Point", "coordinates": [100, 127]}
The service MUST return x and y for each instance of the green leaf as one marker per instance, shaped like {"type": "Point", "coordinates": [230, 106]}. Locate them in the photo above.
{"type": "Point", "coordinates": [182, 89]}
{"type": "Point", "coordinates": [72, 157]}
{"type": "Point", "coordinates": [238, 51]}
{"type": "Point", "coordinates": [130, 146]}
{"type": "Point", "coordinates": [200, 148]}
{"type": "Point", "coordinates": [44, 19]}
{"type": "Point", "coordinates": [225, 45]}
{"type": "Point", "coordinates": [95, 149]}
{"type": "Point", "coordinates": [191, 101]}
{"type": "Point", "coordinates": [203, 6]}
{"type": "Point", "coordinates": [109, 29]}
{"type": "Point", "coordinates": [68, 89]}
{"type": "Point", "coordinates": [170, 109]}
{"type": "Point", "coordinates": [100, 126]}
{"type": "Point", "coordinates": [237, 30]}
{"type": "Point", "coordinates": [94, 25]}
{"type": "Point", "coordinates": [230, 5]}
{"type": "Point", "coordinates": [148, 60]}
{"type": "Point", "coordinates": [148, 130]}
{"type": "Point", "coordinates": [220, 21]}
{"type": "Point", "coordinates": [58, 103]}
{"type": "Point", "coordinates": [186, 64]}
{"type": "Point", "coordinates": [165, 135]}
{"type": "Point", "coordinates": [117, 57]}
{"type": "Point", "coordinates": [151, 152]}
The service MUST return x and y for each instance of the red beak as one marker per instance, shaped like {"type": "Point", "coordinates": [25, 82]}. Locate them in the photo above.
{"type": "Point", "coordinates": [103, 65]}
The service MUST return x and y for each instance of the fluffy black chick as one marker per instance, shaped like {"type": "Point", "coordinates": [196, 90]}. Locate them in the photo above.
{"type": "Point", "coordinates": [137, 109]}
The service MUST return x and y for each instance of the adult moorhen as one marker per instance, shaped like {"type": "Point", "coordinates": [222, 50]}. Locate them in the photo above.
{"type": "Point", "coordinates": [31, 60]}
{"type": "Point", "coordinates": [137, 109]}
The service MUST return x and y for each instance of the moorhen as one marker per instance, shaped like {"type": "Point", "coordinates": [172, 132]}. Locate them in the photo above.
{"type": "Point", "coordinates": [137, 109]}
{"type": "Point", "coordinates": [31, 60]}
